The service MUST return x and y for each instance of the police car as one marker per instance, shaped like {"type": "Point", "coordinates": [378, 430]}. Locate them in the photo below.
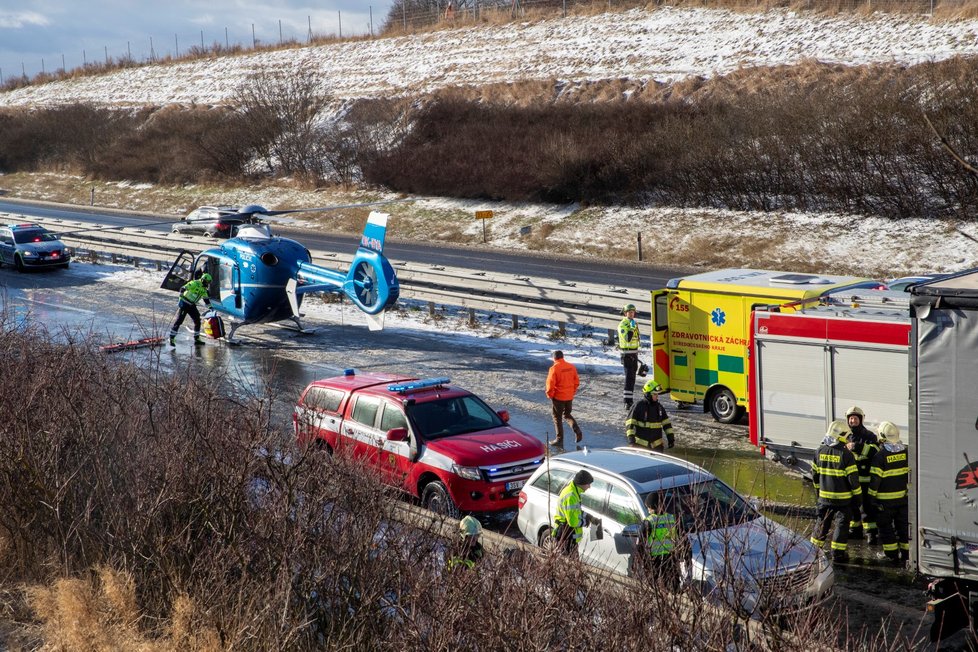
{"type": "Point", "coordinates": [31, 245]}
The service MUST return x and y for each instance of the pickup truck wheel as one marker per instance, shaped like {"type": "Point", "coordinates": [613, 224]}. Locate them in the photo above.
{"type": "Point", "coordinates": [321, 446]}
{"type": "Point", "coordinates": [436, 498]}
{"type": "Point", "coordinates": [723, 406]}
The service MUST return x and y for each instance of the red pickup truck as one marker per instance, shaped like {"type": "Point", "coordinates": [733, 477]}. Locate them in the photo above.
{"type": "Point", "coordinates": [438, 442]}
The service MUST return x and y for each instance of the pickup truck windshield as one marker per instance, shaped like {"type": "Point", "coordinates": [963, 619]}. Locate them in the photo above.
{"type": "Point", "coordinates": [452, 416]}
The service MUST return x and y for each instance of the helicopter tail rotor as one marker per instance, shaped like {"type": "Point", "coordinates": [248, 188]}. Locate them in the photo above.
{"type": "Point", "coordinates": [370, 283]}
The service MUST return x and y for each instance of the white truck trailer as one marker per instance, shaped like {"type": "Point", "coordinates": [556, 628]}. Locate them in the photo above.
{"type": "Point", "coordinates": [943, 441]}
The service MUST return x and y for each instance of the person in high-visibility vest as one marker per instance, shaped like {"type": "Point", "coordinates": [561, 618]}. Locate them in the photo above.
{"type": "Point", "coordinates": [629, 340]}
{"type": "Point", "coordinates": [836, 483]}
{"type": "Point", "coordinates": [470, 550]}
{"type": "Point", "coordinates": [569, 518]}
{"type": "Point", "coordinates": [191, 293]}
{"type": "Point", "coordinates": [655, 554]}
{"type": "Point", "coordinates": [888, 487]}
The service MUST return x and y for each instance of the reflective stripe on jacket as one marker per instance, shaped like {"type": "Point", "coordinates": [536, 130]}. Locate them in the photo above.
{"type": "Point", "coordinates": [835, 476]}
{"type": "Point", "coordinates": [628, 337]}
{"type": "Point", "coordinates": [569, 512]}
{"type": "Point", "coordinates": [562, 380]}
{"type": "Point", "coordinates": [647, 422]}
{"type": "Point", "coordinates": [890, 475]}
{"type": "Point", "coordinates": [660, 534]}
{"type": "Point", "coordinates": [193, 292]}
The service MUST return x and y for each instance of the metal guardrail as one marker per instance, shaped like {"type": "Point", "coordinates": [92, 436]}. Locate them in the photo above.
{"type": "Point", "coordinates": [549, 299]}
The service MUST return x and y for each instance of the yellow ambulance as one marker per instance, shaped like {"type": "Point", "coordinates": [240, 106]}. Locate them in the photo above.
{"type": "Point", "coordinates": [701, 327]}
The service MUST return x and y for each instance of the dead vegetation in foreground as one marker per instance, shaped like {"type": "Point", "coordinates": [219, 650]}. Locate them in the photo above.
{"type": "Point", "coordinates": [141, 509]}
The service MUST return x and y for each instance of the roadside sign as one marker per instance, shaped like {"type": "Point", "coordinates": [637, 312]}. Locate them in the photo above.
{"type": "Point", "coordinates": [483, 215]}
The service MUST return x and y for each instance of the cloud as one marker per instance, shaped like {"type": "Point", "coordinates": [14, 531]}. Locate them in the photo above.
{"type": "Point", "coordinates": [19, 19]}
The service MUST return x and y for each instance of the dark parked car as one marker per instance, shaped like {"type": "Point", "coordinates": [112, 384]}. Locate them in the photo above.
{"type": "Point", "coordinates": [214, 222]}
{"type": "Point", "coordinates": [31, 245]}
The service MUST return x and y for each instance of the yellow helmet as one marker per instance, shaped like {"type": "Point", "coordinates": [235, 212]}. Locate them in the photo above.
{"type": "Point", "coordinates": [889, 432]}
{"type": "Point", "coordinates": [855, 409]}
{"type": "Point", "coordinates": [470, 527]}
{"type": "Point", "coordinates": [652, 387]}
{"type": "Point", "coordinates": [839, 430]}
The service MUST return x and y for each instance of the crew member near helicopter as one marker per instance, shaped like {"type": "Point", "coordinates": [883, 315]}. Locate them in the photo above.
{"type": "Point", "coordinates": [190, 294]}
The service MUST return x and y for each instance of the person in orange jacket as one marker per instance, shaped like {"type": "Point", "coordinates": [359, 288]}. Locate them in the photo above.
{"type": "Point", "coordinates": [562, 384]}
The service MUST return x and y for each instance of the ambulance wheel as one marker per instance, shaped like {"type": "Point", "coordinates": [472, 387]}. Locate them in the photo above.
{"type": "Point", "coordinates": [436, 498]}
{"type": "Point", "coordinates": [723, 406]}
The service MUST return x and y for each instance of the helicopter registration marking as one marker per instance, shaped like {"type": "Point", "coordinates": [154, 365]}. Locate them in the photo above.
{"type": "Point", "coordinates": [371, 243]}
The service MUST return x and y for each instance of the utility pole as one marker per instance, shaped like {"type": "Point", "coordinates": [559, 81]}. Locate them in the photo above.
{"type": "Point", "coordinates": [339, 20]}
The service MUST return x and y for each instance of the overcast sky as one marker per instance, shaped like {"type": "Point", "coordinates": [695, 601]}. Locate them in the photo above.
{"type": "Point", "coordinates": [75, 31]}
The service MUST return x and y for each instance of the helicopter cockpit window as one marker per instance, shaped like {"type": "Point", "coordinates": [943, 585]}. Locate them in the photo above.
{"type": "Point", "coordinates": [269, 259]}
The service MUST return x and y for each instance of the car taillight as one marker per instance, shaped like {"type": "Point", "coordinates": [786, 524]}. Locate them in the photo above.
{"type": "Point", "coordinates": [522, 499]}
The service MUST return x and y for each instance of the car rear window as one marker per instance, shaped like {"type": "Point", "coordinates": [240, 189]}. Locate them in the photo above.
{"type": "Point", "coordinates": [553, 480]}
{"type": "Point", "coordinates": [654, 472]}
{"type": "Point", "coordinates": [323, 398]}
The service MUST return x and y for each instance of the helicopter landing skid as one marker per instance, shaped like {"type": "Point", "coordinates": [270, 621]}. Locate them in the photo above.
{"type": "Point", "coordinates": [299, 327]}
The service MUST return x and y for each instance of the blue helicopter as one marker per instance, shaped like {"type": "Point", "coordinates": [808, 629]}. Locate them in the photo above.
{"type": "Point", "coordinates": [260, 278]}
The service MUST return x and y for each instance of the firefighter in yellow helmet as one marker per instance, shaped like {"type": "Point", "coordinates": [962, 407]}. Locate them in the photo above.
{"type": "Point", "coordinates": [864, 446]}
{"type": "Point", "coordinates": [890, 473]}
{"type": "Point", "coordinates": [470, 549]}
{"type": "Point", "coordinates": [648, 424]}
{"type": "Point", "coordinates": [836, 481]}
{"type": "Point", "coordinates": [628, 343]}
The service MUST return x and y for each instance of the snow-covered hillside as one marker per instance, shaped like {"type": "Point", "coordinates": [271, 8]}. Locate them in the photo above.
{"type": "Point", "coordinates": [662, 44]}
{"type": "Point", "coordinates": [641, 45]}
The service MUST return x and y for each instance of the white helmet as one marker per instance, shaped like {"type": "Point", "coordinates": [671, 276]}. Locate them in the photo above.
{"type": "Point", "coordinates": [855, 409]}
{"type": "Point", "coordinates": [839, 430]}
{"type": "Point", "coordinates": [889, 433]}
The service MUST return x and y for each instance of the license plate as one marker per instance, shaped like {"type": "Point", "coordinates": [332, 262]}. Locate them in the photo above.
{"type": "Point", "coordinates": [516, 484]}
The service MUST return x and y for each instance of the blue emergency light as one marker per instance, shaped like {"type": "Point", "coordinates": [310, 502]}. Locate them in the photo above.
{"type": "Point", "coordinates": [419, 384]}
{"type": "Point", "coordinates": [349, 372]}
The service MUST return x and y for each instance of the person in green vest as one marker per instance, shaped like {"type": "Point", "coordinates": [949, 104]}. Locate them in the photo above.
{"type": "Point", "coordinates": [190, 294]}
{"type": "Point", "coordinates": [655, 555]}
{"type": "Point", "coordinates": [569, 519]}
{"type": "Point", "coordinates": [629, 340]}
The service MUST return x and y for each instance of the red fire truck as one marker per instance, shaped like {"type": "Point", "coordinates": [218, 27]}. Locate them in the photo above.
{"type": "Point", "coordinates": [808, 366]}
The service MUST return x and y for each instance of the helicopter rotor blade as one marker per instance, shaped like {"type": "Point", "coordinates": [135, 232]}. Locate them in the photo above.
{"type": "Point", "coordinates": [321, 209]}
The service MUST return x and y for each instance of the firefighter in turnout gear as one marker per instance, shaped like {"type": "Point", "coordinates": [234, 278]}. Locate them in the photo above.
{"type": "Point", "coordinates": [470, 549]}
{"type": "Point", "coordinates": [864, 446]}
{"type": "Point", "coordinates": [836, 483]}
{"type": "Point", "coordinates": [190, 294]}
{"type": "Point", "coordinates": [890, 472]}
{"type": "Point", "coordinates": [569, 518]}
{"type": "Point", "coordinates": [628, 343]}
{"type": "Point", "coordinates": [648, 424]}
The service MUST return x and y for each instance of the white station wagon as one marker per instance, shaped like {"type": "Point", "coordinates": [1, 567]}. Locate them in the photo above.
{"type": "Point", "coordinates": [735, 556]}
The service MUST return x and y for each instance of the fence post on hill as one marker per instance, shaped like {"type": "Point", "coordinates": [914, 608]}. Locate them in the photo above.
{"type": "Point", "coordinates": [639, 246]}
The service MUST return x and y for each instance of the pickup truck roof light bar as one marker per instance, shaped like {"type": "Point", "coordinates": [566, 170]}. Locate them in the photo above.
{"type": "Point", "coordinates": [415, 385]}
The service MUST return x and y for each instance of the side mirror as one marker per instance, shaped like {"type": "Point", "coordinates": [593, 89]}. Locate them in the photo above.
{"type": "Point", "coordinates": [632, 531]}
{"type": "Point", "coordinates": [504, 415]}
{"type": "Point", "coordinates": [397, 434]}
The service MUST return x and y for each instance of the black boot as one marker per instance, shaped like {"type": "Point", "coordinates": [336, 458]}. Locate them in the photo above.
{"type": "Point", "coordinates": [840, 556]}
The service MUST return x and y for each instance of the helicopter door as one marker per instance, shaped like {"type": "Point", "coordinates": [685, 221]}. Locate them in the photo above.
{"type": "Point", "coordinates": [180, 272]}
